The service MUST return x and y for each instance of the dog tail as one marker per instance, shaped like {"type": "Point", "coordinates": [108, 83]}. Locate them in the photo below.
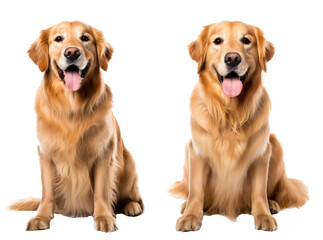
{"type": "Point", "coordinates": [291, 193]}
{"type": "Point", "coordinates": [178, 190]}
{"type": "Point", "coordinates": [26, 204]}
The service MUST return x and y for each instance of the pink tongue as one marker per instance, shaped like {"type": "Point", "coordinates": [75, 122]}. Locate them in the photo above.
{"type": "Point", "coordinates": [231, 86]}
{"type": "Point", "coordinates": [72, 80]}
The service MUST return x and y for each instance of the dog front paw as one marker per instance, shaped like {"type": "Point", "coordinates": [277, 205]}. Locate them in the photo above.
{"type": "Point", "coordinates": [265, 222]}
{"type": "Point", "coordinates": [105, 224]}
{"type": "Point", "coordinates": [38, 223]}
{"type": "Point", "coordinates": [188, 223]}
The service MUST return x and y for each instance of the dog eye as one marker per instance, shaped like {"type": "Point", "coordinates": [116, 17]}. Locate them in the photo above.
{"type": "Point", "coordinates": [218, 41]}
{"type": "Point", "coordinates": [84, 38]}
{"type": "Point", "coordinates": [58, 39]}
{"type": "Point", "coordinates": [245, 40]}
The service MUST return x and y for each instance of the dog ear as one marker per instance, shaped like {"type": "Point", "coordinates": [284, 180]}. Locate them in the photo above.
{"type": "Point", "coordinates": [38, 51]}
{"type": "Point", "coordinates": [265, 48]}
{"type": "Point", "coordinates": [198, 49]}
{"type": "Point", "coordinates": [104, 49]}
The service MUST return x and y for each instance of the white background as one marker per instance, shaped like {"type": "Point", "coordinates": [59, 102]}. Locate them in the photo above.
{"type": "Point", "coordinates": [152, 76]}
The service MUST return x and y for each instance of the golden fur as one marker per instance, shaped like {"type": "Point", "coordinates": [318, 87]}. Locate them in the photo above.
{"type": "Point", "coordinates": [85, 167]}
{"type": "Point", "coordinates": [233, 165]}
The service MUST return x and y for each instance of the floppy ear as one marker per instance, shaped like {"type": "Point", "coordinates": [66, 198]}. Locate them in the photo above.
{"type": "Point", "coordinates": [38, 51]}
{"type": "Point", "coordinates": [266, 49]}
{"type": "Point", "coordinates": [104, 49]}
{"type": "Point", "coordinates": [198, 48]}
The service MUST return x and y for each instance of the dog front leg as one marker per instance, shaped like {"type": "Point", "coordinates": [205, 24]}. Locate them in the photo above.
{"type": "Point", "coordinates": [259, 200]}
{"type": "Point", "coordinates": [193, 212]}
{"type": "Point", "coordinates": [45, 210]}
{"type": "Point", "coordinates": [104, 217]}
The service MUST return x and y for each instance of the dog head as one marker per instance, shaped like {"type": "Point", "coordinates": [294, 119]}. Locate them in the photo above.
{"type": "Point", "coordinates": [231, 51]}
{"type": "Point", "coordinates": [71, 51]}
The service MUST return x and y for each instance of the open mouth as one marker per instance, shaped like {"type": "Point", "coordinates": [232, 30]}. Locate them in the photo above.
{"type": "Point", "coordinates": [72, 76]}
{"type": "Point", "coordinates": [232, 83]}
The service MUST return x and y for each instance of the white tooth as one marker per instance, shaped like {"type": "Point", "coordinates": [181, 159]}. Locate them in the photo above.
{"type": "Point", "coordinates": [80, 72]}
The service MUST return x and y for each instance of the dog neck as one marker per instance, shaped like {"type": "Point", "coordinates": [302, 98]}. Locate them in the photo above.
{"type": "Point", "coordinates": [89, 96]}
{"type": "Point", "coordinates": [230, 112]}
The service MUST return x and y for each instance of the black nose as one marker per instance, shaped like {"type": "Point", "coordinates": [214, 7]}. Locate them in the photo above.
{"type": "Point", "coordinates": [232, 59]}
{"type": "Point", "coordinates": [72, 53]}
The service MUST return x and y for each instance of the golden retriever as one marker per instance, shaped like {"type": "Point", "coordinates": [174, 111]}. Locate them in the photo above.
{"type": "Point", "coordinates": [233, 165]}
{"type": "Point", "coordinates": [85, 167]}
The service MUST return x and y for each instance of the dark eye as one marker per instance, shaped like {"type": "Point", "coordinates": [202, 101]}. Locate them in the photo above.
{"type": "Point", "coordinates": [245, 40]}
{"type": "Point", "coordinates": [84, 38]}
{"type": "Point", "coordinates": [218, 41]}
{"type": "Point", "coordinates": [58, 39]}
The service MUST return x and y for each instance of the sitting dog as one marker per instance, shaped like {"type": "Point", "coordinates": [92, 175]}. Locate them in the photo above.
{"type": "Point", "coordinates": [85, 167]}
{"type": "Point", "coordinates": [233, 165]}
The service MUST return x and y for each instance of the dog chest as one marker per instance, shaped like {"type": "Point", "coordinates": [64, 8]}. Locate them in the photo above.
{"type": "Point", "coordinates": [73, 186]}
{"type": "Point", "coordinates": [224, 150]}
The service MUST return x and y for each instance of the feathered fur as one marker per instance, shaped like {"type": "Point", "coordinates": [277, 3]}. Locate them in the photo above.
{"type": "Point", "coordinates": [233, 165]}
{"type": "Point", "coordinates": [86, 169]}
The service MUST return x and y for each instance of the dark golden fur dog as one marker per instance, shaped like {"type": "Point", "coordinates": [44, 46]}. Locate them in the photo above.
{"type": "Point", "coordinates": [233, 164]}
{"type": "Point", "coordinates": [85, 167]}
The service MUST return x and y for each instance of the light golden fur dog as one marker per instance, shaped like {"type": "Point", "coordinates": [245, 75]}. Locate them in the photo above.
{"type": "Point", "coordinates": [85, 167]}
{"type": "Point", "coordinates": [233, 165]}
